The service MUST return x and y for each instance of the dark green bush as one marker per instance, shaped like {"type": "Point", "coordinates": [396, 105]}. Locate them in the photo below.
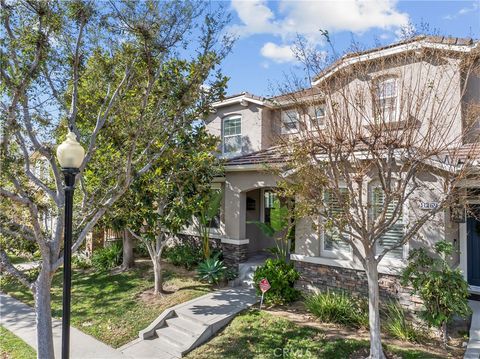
{"type": "Point", "coordinates": [108, 257]}
{"type": "Point", "coordinates": [442, 287]}
{"type": "Point", "coordinates": [183, 254]}
{"type": "Point", "coordinates": [398, 325]}
{"type": "Point", "coordinates": [282, 277]}
{"type": "Point", "coordinates": [338, 307]}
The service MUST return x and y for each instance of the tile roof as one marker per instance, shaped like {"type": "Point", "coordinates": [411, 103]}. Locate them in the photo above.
{"type": "Point", "coordinates": [268, 156]}
{"type": "Point", "coordinates": [445, 40]}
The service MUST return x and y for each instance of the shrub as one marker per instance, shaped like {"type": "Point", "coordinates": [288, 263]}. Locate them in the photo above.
{"type": "Point", "coordinates": [338, 307]}
{"type": "Point", "coordinates": [443, 289]}
{"type": "Point", "coordinates": [211, 270]}
{"type": "Point", "coordinates": [81, 260]}
{"type": "Point", "coordinates": [183, 254]}
{"type": "Point", "coordinates": [140, 250]}
{"type": "Point", "coordinates": [108, 257]}
{"type": "Point", "coordinates": [282, 277]}
{"type": "Point", "coordinates": [397, 324]}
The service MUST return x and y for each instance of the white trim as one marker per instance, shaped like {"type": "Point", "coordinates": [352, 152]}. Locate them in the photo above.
{"type": "Point", "coordinates": [234, 116]}
{"type": "Point", "coordinates": [334, 252]}
{"type": "Point", "coordinates": [474, 289]}
{"type": "Point", "coordinates": [253, 167]}
{"type": "Point", "coordinates": [417, 45]}
{"type": "Point", "coordinates": [238, 242]}
{"type": "Point", "coordinates": [405, 213]}
{"type": "Point", "coordinates": [463, 249]}
{"type": "Point", "coordinates": [241, 99]}
{"type": "Point", "coordinates": [386, 266]}
{"type": "Point", "coordinates": [289, 131]}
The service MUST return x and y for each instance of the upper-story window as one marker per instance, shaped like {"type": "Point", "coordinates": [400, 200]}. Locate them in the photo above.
{"type": "Point", "coordinates": [385, 101]}
{"type": "Point", "coordinates": [289, 121]}
{"type": "Point", "coordinates": [317, 116]}
{"type": "Point", "coordinates": [232, 135]}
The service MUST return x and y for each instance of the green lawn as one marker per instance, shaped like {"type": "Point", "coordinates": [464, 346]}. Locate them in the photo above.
{"type": "Point", "coordinates": [12, 347]}
{"type": "Point", "coordinates": [255, 334]}
{"type": "Point", "coordinates": [111, 307]}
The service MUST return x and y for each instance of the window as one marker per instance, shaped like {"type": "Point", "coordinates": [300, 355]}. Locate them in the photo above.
{"type": "Point", "coordinates": [317, 116]}
{"type": "Point", "coordinates": [385, 101]}
{"type": "Point", "coordinates": [232, 135]}
{"type": "Point", "coordinates": [269, 202]}
{"type": "Point", "coordinates": [333, 239]}
{"type": "Point", "coordinates": [393, 236]}
{"type": "Point", "coordinates": [289, 121]}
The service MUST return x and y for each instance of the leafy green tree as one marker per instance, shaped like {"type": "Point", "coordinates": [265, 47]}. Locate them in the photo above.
{"type": "Point", "coordinates": [110, 71]}
{"type": "Point", "coordinates": [442, 288]}
{"type": "Point", "coordinates": [160, 203]}
{"type": "Point", "coordinates": [208, 207]}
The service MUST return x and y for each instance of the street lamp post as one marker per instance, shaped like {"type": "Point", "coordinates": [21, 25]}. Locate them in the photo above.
{"type": "Point", "coordinates": [70, 155]}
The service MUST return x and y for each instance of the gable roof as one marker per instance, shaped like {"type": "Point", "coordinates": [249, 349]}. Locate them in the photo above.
{"type": "Point", "coordinates": [417, 43]}
{"type": "Point", "coordinates": [243, 99]}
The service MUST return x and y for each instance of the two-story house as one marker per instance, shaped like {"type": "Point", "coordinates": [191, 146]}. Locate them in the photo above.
{"type": "Point", "coordinates": [249, 128]}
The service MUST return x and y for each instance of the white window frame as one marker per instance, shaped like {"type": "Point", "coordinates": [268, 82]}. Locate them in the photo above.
{"type": "Point", "coordinates": [230, 117]}
{"type": "Point", "coordinates": [284, 115]}
{"type": "Point", "coordinates": [334, 252]}
{"type": "Point", "coordinates": [262, 203]}
{"type": "Point", "coordinates": [379, 97]}
{"type": "Point", "coordinates": [405, 213]}
{"type": "Point", "coordinates": [312, 113]}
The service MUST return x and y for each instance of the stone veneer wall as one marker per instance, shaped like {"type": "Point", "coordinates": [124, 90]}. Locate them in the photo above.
{"type": "Point", "coordinates": [322, 277]}
{"type": "Point", "coordinates": [233, 254]}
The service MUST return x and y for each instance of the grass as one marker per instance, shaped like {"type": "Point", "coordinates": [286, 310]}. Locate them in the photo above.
{"type": "Point", "coordinates": [12, 347]}
{"type": "Point", "coordinates": [114, 307]}
{"type": "Point", "coordinates": [255, 334]}
{"type": "Point", "coordinates": [341, 308]}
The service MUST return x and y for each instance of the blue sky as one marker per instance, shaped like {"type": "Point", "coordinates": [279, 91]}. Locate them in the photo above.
{"type": "Point", "coordinates": [266, 31]}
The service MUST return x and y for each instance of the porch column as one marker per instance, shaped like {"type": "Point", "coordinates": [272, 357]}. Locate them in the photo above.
{"type": "Point", "coordinates": [235, 245]}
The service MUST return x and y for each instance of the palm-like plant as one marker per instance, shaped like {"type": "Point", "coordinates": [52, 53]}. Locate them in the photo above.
{"type": "Point", "coordinates": [207, 211]}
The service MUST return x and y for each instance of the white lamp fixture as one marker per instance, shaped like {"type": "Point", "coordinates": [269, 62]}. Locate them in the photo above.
{"type": "Point", "coordinates": [70, 153]}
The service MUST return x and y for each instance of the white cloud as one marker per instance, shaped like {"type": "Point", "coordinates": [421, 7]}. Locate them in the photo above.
{"type": "Point", "coordinates": [462, 11]}
{"type": "Point", "coordinates": [278, 53]}
{"type": "Point", "coordinates": [306, 18]}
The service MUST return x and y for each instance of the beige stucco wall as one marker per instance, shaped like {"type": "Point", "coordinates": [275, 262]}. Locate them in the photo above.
{"type": "Point", "coordinates": [308, 233]}
{"type": "Point", "coordinates": [254, 129]}
{"type": "Point", "coordinates": [237, 184]}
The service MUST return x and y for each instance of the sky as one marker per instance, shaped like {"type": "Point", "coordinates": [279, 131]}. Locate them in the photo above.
{"type": "Point", "coordinates": [266, 31]}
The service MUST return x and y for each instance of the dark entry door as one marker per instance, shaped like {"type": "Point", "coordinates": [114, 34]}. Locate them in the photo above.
{"type": "Point", "coordinates": [473, 248]}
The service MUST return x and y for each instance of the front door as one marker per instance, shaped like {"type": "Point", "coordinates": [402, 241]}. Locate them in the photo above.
{"type": "Point", "coordinates": [473, 248]}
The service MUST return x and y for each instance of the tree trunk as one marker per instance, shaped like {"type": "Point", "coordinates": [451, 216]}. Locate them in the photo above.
{"type": "Point", "coordinates": [157, 274]}
{"type": "Point", "coordinates": [376, 350]}
{"type": "Point", "coordinates": [44, 315]}
{"type": "Point", "coordinates": [128, 259]}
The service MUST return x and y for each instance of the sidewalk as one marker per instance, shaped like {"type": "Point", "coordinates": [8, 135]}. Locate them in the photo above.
{"type": "Point", "coordinates": [19, 318]}
{"type": "Point", "coordinates": [473, 347]}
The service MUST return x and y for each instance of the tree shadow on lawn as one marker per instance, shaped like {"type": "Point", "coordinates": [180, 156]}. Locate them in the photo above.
{"type": "Point", "coordinates": [255, 334]}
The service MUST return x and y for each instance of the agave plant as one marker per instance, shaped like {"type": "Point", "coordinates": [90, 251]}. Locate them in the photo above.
{"type": "Point", "coordinates": [211, 270]}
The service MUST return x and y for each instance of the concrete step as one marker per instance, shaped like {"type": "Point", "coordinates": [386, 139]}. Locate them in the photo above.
{"type": "Point", "coordinates": [186, 325]}
{"type": "Point", "coordinates": [162, 345]}
{"type": "Point", "coordinates": [175, 337]}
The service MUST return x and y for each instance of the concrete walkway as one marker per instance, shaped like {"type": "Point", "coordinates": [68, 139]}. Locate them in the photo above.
{"type": "Point", "coordinates": [19, 318]}
{"type": "Point", "coordinates": [188, 325]}
{"type": "Point", "coordinates": [473, 347]}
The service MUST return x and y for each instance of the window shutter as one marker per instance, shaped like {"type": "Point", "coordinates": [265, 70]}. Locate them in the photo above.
{"type": "Point", "coordinates": [332, 239]}
{"type": "Point", "coordinates": [395, 234]}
